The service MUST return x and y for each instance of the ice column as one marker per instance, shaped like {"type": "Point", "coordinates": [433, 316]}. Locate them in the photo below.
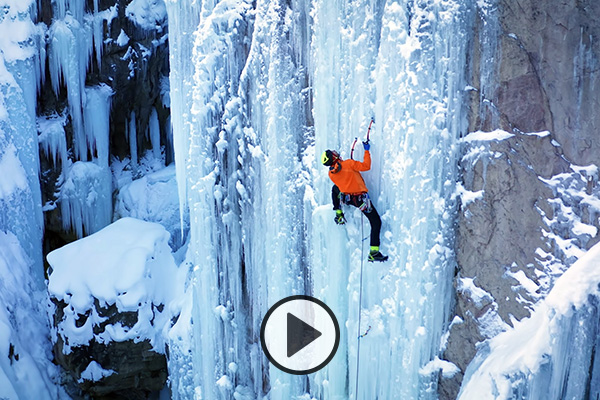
{"type": "Point", "coordinates": [86, 194]}
{"type": "Point", "coordinates": [240, 142]}
{"type": "Point", "coordinates": [20, 196]}
{"type": "Point", "coordinates": [276, 255]}
{"type": "Point", "coordinates": [404, 64]}
{"type": "Point", "coordinates": [344, 48]}
{"type": "Point", "coordinates": [206, 133]}
{"type": "Point", "coordinates": [184, 17]}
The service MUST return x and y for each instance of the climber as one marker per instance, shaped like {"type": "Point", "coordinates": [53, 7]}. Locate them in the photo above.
{"type": "Point", "coordinates": [349, 188]}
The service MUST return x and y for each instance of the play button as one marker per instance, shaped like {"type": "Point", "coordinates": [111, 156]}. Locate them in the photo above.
{"type": "Point", "coordinates": [300, 335]}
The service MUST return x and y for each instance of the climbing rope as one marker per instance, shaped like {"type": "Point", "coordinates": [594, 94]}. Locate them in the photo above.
{"type": "Point", "coordinates": [366, 332]}
{"type": "Point", "coordinates": [362, 258]}
{"type": "Point", "coordinates": [360, 307]}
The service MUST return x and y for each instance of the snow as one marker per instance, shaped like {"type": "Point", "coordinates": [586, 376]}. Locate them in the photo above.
{"type": "Point", "coordinates": [467, 196]}
{"type": "Point", "coordinates": [479, 296]}
{"type": "Point", "coordinates": [122, 39]}
{"type": "Point", "coordinates": [447, 369]}
{"type": "Point", "coordinates": [481, 136]}
{"type": "Point", "coordinates": [147, 14]}
{"type": "Point", "coordinates": [26, 370]}
{"type": "Point", "coordinates": [94, 372]}
{"type": "Point", "coordinates": [538, 134]}
{"type": "Point", "coordinates": [575, 206]}
{"type": "Point", "coordinates": [153, 198]}
{"type": "Point", "coordinates": [524, 355]}
{"type": "Point", "coordinates": [17, 30]}
{"type": "Point", "coordinates": [128, 264]}
{"type": "Point", "coordinates": [14, 176]}
{"type": "Point", "coordinates": [525, 282]}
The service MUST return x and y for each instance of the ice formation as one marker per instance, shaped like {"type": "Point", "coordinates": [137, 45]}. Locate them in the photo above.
{"type": "Point", "coordinates": [21, 195]}
{"type": "Point", "coordinates": [74, 37]}
{"type": "Point", "coordinates": [153, 198]}
{"type": "Point", "coordinates": [261, 222]}
{"type": "Point", "coordinates": [25, 368]}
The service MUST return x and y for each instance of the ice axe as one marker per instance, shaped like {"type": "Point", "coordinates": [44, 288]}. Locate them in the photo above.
{"type": "Point", "coordinates": [356, 139]}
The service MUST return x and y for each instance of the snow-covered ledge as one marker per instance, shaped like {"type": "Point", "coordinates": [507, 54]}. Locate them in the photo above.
{"type": "Point", "coordinates": [528, 361]}
{"type": "Point", "coordinates": [112, 295]}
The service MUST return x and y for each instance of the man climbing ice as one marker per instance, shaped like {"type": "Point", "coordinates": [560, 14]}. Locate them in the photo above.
{"type": "Point", "coordinates": [349, 188]}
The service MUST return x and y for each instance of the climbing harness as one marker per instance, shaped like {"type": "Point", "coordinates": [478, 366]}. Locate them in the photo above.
{"type": "Point", "coordinates": [365, 203]}
{"type": "Point", "coordinates": [361, 201]}
{"type": "Point", "coordinates": [360, 309]}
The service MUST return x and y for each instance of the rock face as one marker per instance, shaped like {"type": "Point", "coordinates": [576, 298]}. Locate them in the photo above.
{"type": "Point", "coordinates": [533, 68]}
{"type": "Point", "coordinates": [125, 370]}
{"type": "Point", "coordinates": [111, 308]}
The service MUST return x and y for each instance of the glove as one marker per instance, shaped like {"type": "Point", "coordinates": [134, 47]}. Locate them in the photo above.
{"type": "Point", "coordinates": [339, 217]}
{"type": "Point", "coordinates": [366, 145]}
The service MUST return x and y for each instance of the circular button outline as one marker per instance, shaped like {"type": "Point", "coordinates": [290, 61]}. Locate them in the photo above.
{"type": "Point", "coordinates": [286, 300]}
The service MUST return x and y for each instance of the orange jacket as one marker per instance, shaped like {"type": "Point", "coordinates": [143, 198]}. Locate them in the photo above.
{"type": "Point", "coordinates": [349, 179]}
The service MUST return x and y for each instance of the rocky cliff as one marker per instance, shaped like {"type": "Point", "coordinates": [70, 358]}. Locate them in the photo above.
{"type": "Point", "coordinates": [528, 209]}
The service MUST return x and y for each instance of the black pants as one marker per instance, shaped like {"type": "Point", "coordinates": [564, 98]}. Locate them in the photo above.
{"type": "Point", "coordinates": [372, 215]}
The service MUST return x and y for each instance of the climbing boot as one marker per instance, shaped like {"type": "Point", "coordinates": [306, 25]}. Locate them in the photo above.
{"type": "Point", "coordinates": [375, 255]}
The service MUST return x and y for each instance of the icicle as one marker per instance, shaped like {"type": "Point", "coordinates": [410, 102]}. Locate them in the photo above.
{"type": "Point", "coordinates": [154, 128]}
{"type": "Point", "coordinates": [98, 34]}
{"type": "Point", "coordinates": [68, 60]}
{"type": "Point", "coordinates": [97, 124]}
{"type": "Point", "coordinates": [86, 195]}
{"type": "Point", "coordinates": [184, 17]}
{"type": "Point", "coordinates": [132, 135]}
{"type": "Point", "coordinates": [53, 140]}
{"type": "Point", "coordinates": [74, 7]}
{"type": "Point", "coordinates": [40, 60]}
{"type": "Point", "coordinates": [86, 198]}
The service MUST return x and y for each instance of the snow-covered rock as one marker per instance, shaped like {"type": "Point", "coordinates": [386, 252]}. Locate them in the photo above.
{"type": "Point", "coordinates": [528, 361]}
{"type": "Point", "coordinates": [154, 198]}
{"type": "Point", "coordinates": [112, 295]}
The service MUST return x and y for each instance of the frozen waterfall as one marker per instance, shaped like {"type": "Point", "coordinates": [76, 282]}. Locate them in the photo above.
{"type": "Point", "coordinates": [260, 94]}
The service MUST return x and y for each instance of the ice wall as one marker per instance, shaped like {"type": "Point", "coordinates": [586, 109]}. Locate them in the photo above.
{"type": "Point", "coordinates": [403, 64]}
{"type": "Point", "coordinates": [20, 196]}
{"type": "Point", "coordinates": [270, 87]}
{"type": "Point", "coordinates": [25, 367]}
